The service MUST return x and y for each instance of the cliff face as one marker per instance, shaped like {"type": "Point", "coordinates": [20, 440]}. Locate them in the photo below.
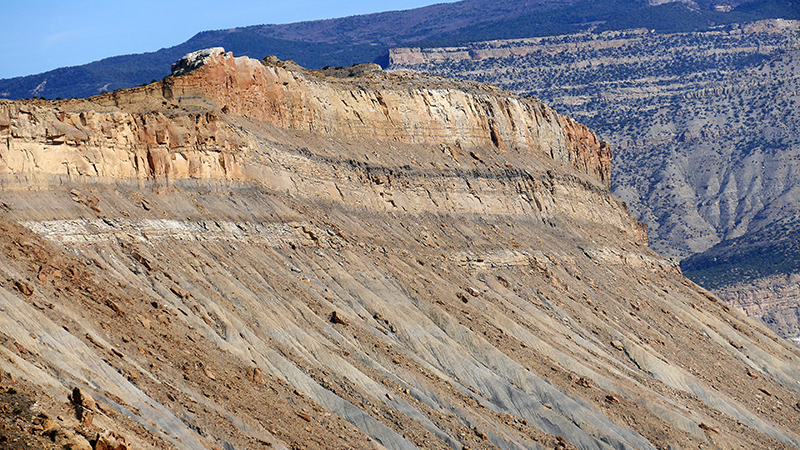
{"type": "Point", "coordinates": [706, 153]}
{"type": "Point", "coordinates": [255, 255]}
{"type": "Point", "coordinates": [142, 144]}
{"type": "Point", "coordinates": [74, 144]}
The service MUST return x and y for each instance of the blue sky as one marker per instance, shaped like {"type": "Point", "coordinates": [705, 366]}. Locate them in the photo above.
{"type": "Point", "coordinates": [37, 36]}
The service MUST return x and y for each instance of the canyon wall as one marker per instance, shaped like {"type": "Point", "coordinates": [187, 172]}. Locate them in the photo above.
{"type": "Point", "coordinates": [390, 108]}
{"type": "Point", "coordinates": [251, 255]}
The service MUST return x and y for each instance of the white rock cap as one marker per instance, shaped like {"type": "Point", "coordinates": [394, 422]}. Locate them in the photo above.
{"type": "Point", "coordinates": [193, 60]}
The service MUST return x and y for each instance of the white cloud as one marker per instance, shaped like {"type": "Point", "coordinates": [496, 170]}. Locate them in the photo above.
{"type": "Point", "coordinates": [55, 39]}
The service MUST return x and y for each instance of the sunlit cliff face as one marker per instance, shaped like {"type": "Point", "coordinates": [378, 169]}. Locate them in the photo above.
{"type": "Point", "coordinates": [254, 255]}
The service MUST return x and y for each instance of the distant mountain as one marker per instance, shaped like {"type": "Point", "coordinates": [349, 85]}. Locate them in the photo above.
{"type": "Point", "coordinates": [772, 250]}
{"type": "Point", "coordinates": [367, 38]}
{"type": "Point", "coordinates": [758, 272]}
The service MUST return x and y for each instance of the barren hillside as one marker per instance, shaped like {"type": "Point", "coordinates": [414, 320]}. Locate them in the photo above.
{"type": "Point", "coordinates": [704, 127]}
{"type": "Point", "coordinates": [252, 255]}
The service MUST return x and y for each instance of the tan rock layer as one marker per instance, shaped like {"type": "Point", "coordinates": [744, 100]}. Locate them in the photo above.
{"type": "Point", "coordinates": [393, 108]}
{"type": "Point", "coordinates": [42, 140]}
{"type": "Point", "coordinates": [70, 140]}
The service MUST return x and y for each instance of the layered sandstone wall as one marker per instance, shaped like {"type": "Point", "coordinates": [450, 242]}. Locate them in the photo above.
{"type": "Point", "coordinates": [41, 141]}
{"type": "Point", "coordinates": [134, 135]}
{"type": "Point", "coordinates": [397, 108]}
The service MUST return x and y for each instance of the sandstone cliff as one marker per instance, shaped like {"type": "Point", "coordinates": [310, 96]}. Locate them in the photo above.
{"type": "Point", "coordinates": [45, 143]}
{"type": "Point", "coordinates": [705, 129]}
{"type": "Point", "coordinates": [252, 255]}
{"type": "Point", "coordinates": [68, 141]}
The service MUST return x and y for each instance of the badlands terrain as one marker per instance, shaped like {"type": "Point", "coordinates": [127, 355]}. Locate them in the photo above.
{"type": "Point", "coordinates": [252, 255]}
{"type": "Point", "coordinates": [704, 130]}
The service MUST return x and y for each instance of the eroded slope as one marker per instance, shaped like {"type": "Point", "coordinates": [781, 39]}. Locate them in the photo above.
{"type": "Point", "coordinates": [250, 256]}
{"type": "Point", "coordinates": [705, 126]}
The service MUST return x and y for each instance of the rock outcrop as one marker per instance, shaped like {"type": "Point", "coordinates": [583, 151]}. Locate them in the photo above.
{"type": "Point", "coordinates": [74, 144]}
{"type": "Point", "coordinates": [68, 141]}
{"type": "Point", "coordinates": [375, 261]}
{"type": "Point", "coordinates": [194, 60]}
{"type": "Point", "coordinates": [467, 115]}
{"type": "Point", "coordinates": [705, 127]}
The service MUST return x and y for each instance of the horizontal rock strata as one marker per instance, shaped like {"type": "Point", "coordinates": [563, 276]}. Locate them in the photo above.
{"type": "Point", "coordinates": [251, 255]}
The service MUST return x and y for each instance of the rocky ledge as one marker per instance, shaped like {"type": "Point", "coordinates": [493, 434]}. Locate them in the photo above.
{"type": "Point", "coordinates": [146, 132]}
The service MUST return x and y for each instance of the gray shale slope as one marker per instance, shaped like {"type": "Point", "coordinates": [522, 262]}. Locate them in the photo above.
{"type": "Point", "coordinates": [252, 255]}
{"type": "Point", "coordinates": [705, 131]}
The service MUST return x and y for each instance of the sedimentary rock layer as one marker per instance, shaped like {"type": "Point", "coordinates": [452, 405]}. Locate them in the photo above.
{"type": "Point", "coordinates": [251, 255]}
{"type": "Point", "coordinates": [70, 141]}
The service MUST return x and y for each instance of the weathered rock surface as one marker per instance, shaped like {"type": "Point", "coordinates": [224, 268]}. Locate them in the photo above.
{"type": "Point", "coordinates": [705, 126]}
{"type": "Point", "coordinates": [774, 300]}
{"type": "Point", "coordinates": [118, 140]}
{"type": "Point", "coordinates": [110, 440]}
{"type": "Point", "coordinates": [197, 311]}
{"type": "Point", "coordinates": [194, 60]}
{"type": "Point", "coordinates": [76, 143]}
{"type": "Point", "coordinates": [697, 118]}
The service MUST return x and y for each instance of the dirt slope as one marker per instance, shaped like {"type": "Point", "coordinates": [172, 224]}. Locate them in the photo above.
{"type": "Point", "coordinates": [253, 256]}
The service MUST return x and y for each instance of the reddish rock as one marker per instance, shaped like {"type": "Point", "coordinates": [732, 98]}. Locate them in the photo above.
{"type": "Point", "coordinates": [69, 439]}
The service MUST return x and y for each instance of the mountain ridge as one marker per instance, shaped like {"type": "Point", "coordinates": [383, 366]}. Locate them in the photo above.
{"type": "Point", "coordinates": [368, 38]}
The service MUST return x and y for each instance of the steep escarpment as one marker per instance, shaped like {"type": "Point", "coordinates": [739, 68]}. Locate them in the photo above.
{"type": "Point", "coordinates": [705, 130]}
{"type": "Point", "coordinates": [461, 115]}
{"type": "Point", "coordinates": [73, 145]}
{"type": "Point", "coordinates": [394, 109]}
{"type": "Point", "coordinates": [704, 123]}
{"type": "Point", "coordinates": [254, 255]}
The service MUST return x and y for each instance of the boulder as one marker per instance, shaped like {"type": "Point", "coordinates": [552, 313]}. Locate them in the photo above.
{"type": "Point", "coordinates": [24, 287]}
{"type": "Point", "coordinates": [69, 439]}
{"type": "Point", "coordinates": [80, 397]}
{"type": "Point", "coordinates": [84, 406]}
{"type": "Point", "coordinates": [337, 318]}
{"type": "Point", "coordinates": [109, 440]}
{"type": "Point", "coordinates": [256, 376]}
